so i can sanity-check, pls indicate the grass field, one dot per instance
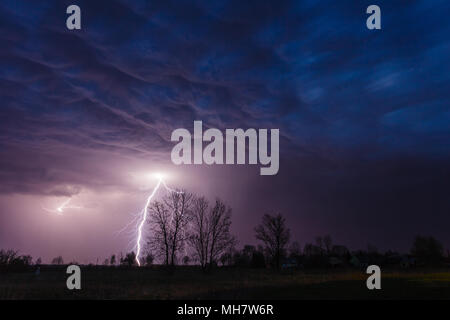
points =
(190, 283)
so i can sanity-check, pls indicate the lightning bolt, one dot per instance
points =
(143, 215)
(60, 210)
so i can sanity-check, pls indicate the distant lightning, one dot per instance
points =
(60, 209)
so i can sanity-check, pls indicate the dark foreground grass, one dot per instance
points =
(190, 283)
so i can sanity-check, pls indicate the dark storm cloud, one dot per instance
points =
(355, 107)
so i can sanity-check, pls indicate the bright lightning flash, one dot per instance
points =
(144, 212)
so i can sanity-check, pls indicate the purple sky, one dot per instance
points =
(363, 115)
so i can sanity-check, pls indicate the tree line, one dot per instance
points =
(184, 228)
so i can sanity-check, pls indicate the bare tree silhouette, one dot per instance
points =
(199, 239)
(275, 235)
(168, 222)
(58, 260)
(211, 235)
(129, 260)
(112, 260)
